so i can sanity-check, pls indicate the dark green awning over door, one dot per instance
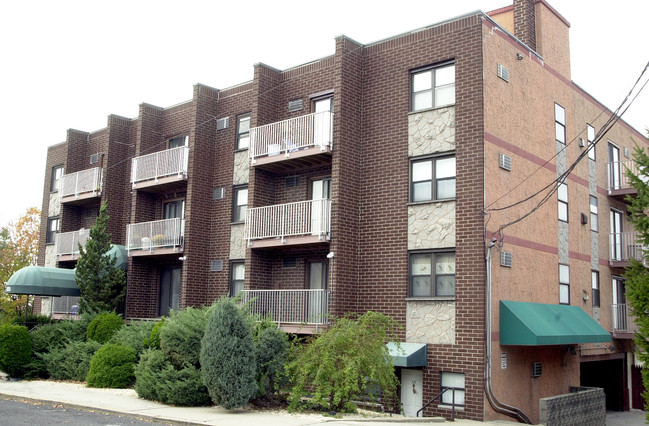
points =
(536, 324)
(408, 354)
(39, 281)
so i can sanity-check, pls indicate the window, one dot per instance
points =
(594, 278)
(454, 382)
(177, 142)
(57, 173)
(243, 131)
(432, 274)
(433, 87)
(240, 203)
(591, 142)
(563, 202)
(52, 229)
(560, 123)
(564, 284)
(593, 214)
(432, 179)
(237, 276)
(615, 239)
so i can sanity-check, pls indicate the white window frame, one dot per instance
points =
(432, 273)
(455, 381)
(243, 136)
(432, 179)
(564, 284)
(55, 179)
(239, 207)
(237, 283)
(428, 84)
(53, 227)
(562, 201)
(559, 123)
(594, 280)
(594, 214)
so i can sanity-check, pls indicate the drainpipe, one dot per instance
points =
(495, 403)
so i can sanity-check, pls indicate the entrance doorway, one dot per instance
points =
(169, 290)
(411, 391)
(318, 278)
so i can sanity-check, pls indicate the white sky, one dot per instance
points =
(69, 64)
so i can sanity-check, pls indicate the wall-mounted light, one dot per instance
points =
(519, 56)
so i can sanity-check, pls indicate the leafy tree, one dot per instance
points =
(18, 248)
(101, 282)
(338, 366)
(227, 356)
(637, 275)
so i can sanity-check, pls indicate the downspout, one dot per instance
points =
(493, 401)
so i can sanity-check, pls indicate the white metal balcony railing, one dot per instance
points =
(67, 243)
(291, 135)
(155, 234)
(87, 181)
(68, 305)
(617, 174)
(289, 306)
(160, 164)
(624, 246)
(311, 217)
(622, 318)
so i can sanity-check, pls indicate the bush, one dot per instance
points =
(181, 334)
(102, 328)
(71, 362)
(112, 366)
(154, 338)
(32, 320)
(157, 379)
(15, 349)
(136, 335)
(338, 365)
(271, 347)
(227, 356)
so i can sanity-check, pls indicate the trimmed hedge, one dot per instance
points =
(102, 328)
(112, 366)
(15, 349)
(71, 362)
(157, 379)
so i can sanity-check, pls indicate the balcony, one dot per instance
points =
(304, 141)
(67, 244)
(79, 187)
(155, 238)
(302, 222)
(295, 311)
(623, 324)
(160, 169)
(619, 184)
(624, 246)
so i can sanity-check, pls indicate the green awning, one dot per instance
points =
(39, 281)
(121, 254)
(407, 354)
(536, 324)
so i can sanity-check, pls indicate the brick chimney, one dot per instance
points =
(525, 22)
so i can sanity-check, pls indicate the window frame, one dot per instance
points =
(562, 202)
(559, 123)
(433, 86)
(591, 141)
(234, 281)
(239, 210)
(447, 397)
(174, 140)
(564, 282)
(50, 233)
(55, 177)
(595, 286)
(242, 135)
(434, 190)
(594, 213)
(434, 254)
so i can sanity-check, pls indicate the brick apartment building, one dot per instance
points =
(371, 180)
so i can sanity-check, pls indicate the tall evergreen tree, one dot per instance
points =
(637, 275)
(101, 282)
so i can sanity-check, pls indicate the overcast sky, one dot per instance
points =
(69, 64)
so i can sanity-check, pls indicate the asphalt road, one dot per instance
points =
(22, 412)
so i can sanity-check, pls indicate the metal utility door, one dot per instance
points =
(411, 391)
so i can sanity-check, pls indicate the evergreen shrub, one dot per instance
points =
(112, 366)
(135, 334)
(71, 362)
(102, 328)
(181, 334)
(15, 349)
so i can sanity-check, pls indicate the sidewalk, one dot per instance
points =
(126, 402)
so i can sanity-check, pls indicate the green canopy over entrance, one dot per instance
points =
(407, 354)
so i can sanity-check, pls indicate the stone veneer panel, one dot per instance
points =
(50, 256)
(238, 242)
(431, 131)
(430, 321)
(431, 225)
(54, 208)
(241, 168)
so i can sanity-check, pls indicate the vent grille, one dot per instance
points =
(505, 162)
(216, 265)
(503, 72)
(506, 259)
(291, 182)
(94, 158)
(289, 262)
(537, 369)
(218, 193)
(222, 123)
(295, 105)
